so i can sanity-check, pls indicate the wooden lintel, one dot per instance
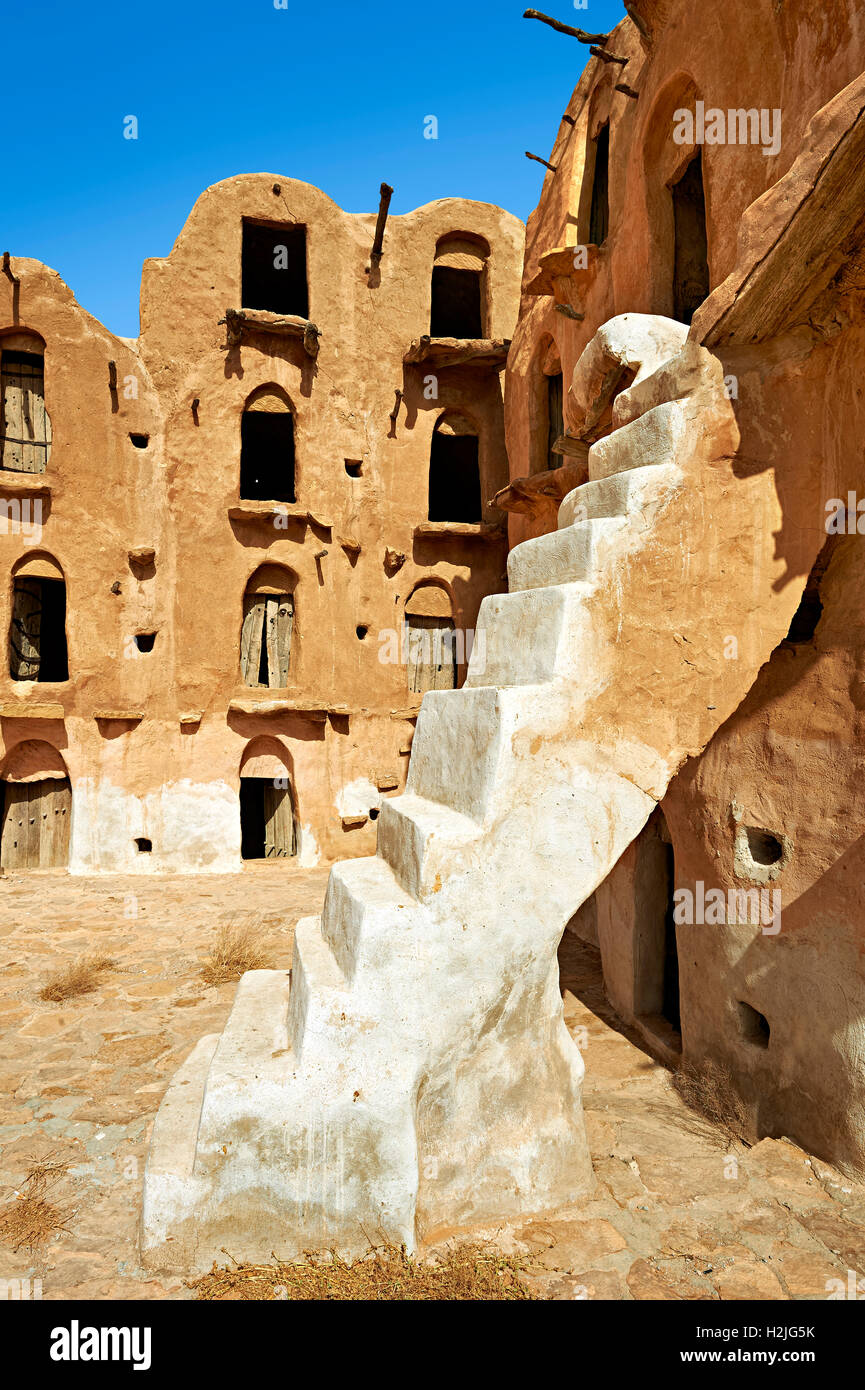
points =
(627, 91)
(455, 352)
(240, 321)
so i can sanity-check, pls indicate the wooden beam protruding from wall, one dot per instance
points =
(568, 29)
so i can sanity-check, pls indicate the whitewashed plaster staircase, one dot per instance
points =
(415, 1072)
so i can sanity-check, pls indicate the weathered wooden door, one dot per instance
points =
(36, 819)
(25, 429)
(432, 657)
(279, 837)
(265, 643)
(26, 631)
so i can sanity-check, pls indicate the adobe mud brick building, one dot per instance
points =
(207, 533)
(670, 704)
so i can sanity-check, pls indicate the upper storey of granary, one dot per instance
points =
(275, 264)
(684, 117)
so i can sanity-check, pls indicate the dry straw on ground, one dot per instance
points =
(469, 1272)
(31, 1219)
(236, 950)
(708, 1089)
(81, 977)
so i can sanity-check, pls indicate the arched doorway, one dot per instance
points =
(431, 647)
(37, 808)
(267, 804)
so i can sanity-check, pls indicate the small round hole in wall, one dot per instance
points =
(140, 441)
(354, 467)
(373, 813)
(754, 1025)
(361, 631)
(144, 641)
(765, 848)
(143, 846)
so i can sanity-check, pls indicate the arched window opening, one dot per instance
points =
(454, 471)
(267, 447)
(273, 272)
(431, 641)
(691, 255)
(268, 623)
(25, 428)
(459, 287)
(37, 633)
(37, 808)
(267, 807)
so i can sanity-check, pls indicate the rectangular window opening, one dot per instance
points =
(273, 271)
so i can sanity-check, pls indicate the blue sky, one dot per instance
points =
(330, 91)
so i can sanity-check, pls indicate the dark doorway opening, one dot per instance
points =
(556, 416)
(454, 478)
(267, 456)
(266, 819)
(599, 215)
(656, 957)
(456, 303)
(37, 637)
(274, 268)
(691, 255)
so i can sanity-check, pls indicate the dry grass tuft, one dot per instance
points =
(470, 1272)
(31, 1218)
(236, 950)
(81, 977)
(708, 1089)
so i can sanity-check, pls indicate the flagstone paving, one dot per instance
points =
(679, 1212)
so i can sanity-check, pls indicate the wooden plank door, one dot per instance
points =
(432, 663)
(279, 838)
(278, 623)
(26, 429)
(25, 633)
(53, 812)
(252, 635)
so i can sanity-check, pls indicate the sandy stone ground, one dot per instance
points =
(679, 1211)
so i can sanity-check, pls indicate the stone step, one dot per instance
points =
(175, 1129)
(365, 904)
(605, 497)
(419, 840)
(653, 438)
(573, 555)
(257, 1027)
(319, 988)
(521, 638)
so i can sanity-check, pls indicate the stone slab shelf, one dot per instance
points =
(457, 352)
(118, 716)
(240, 323)
(261, 511)
(472, 530)
(14, 709)
(250, 705)
(542, 492)
(557, 275)
(13, 481)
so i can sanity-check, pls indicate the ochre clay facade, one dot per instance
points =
(667, 713)
(772, 803)
(144, 518)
